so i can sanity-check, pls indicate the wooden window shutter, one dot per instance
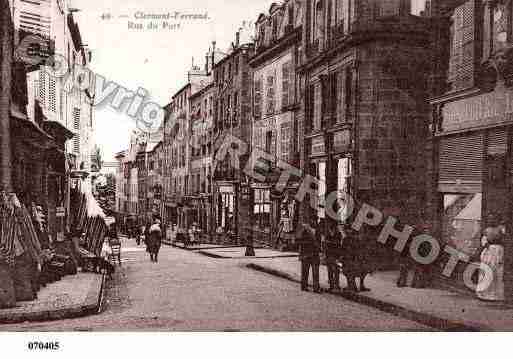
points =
(497, 142)
(310, 97)
(317, 106)
(285, 84)
(42, 87)
(341, 104)
(463, 46)
(333, 94)
(348, 93)
(258, 97)
(52, 96)
(461, 163)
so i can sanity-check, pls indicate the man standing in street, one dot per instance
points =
(309, 248)
(331, 246)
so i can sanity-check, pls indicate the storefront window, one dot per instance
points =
(321, 213)
(227, 215)
(343, 182)
(462, 221)
(418, 7)
(262, 208)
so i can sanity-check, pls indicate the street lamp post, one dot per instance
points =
(248, 194)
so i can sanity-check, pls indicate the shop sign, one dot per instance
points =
(318, 146)
(60, 212)
(268, 122)
(226, 189)
(486, 109)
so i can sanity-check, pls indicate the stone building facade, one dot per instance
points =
(177, 146)
(364, 72)
(471, 130)
(154, 179)
(274, 128)
(232, 117)
(202, 120)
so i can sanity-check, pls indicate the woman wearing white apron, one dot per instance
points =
(491, 287)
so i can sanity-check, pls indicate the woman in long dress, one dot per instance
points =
(154, 241)
(490, 286)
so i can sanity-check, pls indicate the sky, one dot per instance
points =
(156, 60)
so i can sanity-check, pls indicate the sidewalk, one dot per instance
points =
(72, 296)
(437, 308)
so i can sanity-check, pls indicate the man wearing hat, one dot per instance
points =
(309, 249)
(421, 272)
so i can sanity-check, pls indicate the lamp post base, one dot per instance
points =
(250, 251)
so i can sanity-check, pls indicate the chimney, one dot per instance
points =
(206, 63)
(213, 53)
(237, 38)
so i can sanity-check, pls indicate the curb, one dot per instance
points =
(397, 310)
(219, 256)
(68, 312)
(199, 249)
(101, 297)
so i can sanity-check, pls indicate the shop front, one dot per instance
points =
(226, 208)
(474, 144)
(264, 215)
(331, 163)
(170, 210)
(204, 214)
(226, 212)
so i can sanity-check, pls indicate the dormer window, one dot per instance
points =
(500, 26)
(318, 23)
(497, 27)
(262, 35)
(275, 28)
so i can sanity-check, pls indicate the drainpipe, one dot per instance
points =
(5, 107)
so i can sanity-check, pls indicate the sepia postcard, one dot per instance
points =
(255, 166)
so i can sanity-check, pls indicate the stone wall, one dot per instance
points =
(392, 125)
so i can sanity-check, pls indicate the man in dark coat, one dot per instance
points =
(332, 246)
(349, 257)
(309, 248)
(421, 272)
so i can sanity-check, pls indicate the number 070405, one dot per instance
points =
(43, 345)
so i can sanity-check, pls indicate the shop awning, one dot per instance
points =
(58, 128)
(22, 120)
(472, 210)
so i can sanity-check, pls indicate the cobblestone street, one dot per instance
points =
(187, 291)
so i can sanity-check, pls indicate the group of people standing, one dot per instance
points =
(342, 249)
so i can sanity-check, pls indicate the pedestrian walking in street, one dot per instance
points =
(309, 248)
(154, 240)
(331, 247)
(140, 234)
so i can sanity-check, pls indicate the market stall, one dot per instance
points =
(88, 218)
(21, 256)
